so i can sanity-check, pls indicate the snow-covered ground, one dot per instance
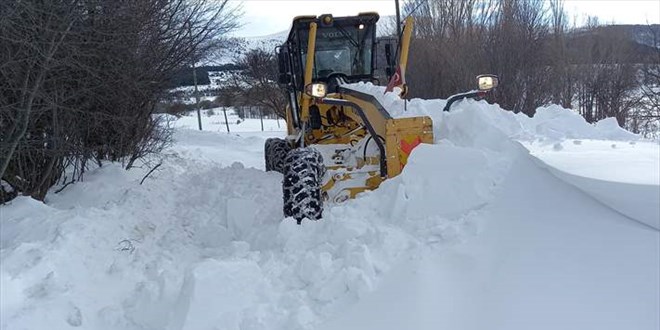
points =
(624, 175)
(478, 232)
(213, 120)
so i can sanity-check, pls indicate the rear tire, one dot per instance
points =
(275, 151)
(303, 175)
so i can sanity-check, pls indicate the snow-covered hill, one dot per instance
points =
(480, 231)
(240, 46)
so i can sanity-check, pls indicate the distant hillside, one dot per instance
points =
(241, 46)
(648, 35)
(644, 40)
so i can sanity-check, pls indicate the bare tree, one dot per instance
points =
(646, 119)
(258, 81)
(459, 39)
(28, 58)
(562, 76)
(448, 48)
(607, 75)
(80, 80)
(537, 57)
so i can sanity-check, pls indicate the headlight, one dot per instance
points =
(487, 82)
(317, 90)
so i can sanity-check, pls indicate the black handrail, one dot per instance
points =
(370, 128)
(457, 97)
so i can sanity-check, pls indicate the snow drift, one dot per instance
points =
(472, 235)
(613, 165)
(624, 176)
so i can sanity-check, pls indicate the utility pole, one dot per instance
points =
(199, 113)
(227, 100)
(398, 21)
(224, 110)
(261, 117)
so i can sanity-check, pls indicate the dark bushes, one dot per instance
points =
(80, 80)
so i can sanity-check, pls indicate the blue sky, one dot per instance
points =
(263, 17)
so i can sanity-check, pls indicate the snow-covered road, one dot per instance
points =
(474, 234)
(623, 175)
(559, 260)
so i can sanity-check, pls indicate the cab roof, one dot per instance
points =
(302, 22)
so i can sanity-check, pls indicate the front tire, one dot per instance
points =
(275, 150)
(301, 187)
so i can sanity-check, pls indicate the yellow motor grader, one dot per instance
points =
(341, 141)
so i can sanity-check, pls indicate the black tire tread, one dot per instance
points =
(301, 187)
(275, 151)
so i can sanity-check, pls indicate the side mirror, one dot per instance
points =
(487, 82)
(316, 90)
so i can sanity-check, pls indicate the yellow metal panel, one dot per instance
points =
(374, 181)
(405, 44)
(309, 65)
(403, 135)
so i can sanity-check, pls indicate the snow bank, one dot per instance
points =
(634, 162)
(471, 227)
(546, 257)
(640, 202)
(201, 244)
(623, 176)
(122, 262)
(621, 162)
(549, 123)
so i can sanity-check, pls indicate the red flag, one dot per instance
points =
(396, 80)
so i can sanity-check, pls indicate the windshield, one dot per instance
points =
(345, 50)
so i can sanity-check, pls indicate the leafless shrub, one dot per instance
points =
(80, 80)
(594, 69)
(257, 85)
(646, 119)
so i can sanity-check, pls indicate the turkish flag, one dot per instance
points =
(396, 80)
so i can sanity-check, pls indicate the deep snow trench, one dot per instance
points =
(474, 234)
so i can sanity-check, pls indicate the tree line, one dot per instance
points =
(540, 56)
(599, 70)
(80, 80)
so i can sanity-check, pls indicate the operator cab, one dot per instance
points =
(344, 49)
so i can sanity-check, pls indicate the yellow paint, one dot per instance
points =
(401, 135)
(405, 44)
(309, 66)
